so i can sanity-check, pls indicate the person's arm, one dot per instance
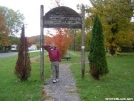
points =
(47, 47)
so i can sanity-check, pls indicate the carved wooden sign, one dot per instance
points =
(62, 17)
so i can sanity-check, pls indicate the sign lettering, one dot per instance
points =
(60, 19)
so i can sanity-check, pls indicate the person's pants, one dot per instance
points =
(55, 70)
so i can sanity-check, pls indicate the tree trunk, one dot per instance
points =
(94, 73)
(112, 50)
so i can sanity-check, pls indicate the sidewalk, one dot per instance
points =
(65, 89)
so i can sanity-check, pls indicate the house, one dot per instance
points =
(32, 47)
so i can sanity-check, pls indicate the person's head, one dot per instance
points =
(53, 45)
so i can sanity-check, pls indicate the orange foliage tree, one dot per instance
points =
(62, 39)
(31, 41)
(49, 38)
(4, 32)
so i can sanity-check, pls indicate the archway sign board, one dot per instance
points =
(61, 17)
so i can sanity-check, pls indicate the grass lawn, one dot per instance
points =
(13, 90)
(118, 83)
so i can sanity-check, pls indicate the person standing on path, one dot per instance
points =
(55, 58)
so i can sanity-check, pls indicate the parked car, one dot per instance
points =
(13, 47)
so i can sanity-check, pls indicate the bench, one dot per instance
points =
(66, 57)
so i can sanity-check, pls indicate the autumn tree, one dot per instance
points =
(62, 38)
(97, 55)
(31, 41)
(13, 19)
(4, 32)
(23, 68)
(115, 16)
(49, 38)
(34, 40)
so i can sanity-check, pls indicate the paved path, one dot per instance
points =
(65, 89)
(2, 55)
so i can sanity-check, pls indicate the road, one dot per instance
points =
(2, 55)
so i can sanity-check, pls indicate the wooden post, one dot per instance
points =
(74, 33)
(41, 43)
(83, 45)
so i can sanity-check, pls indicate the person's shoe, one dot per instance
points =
(57, 80)
(54, 81)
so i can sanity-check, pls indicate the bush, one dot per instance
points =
(23, 68)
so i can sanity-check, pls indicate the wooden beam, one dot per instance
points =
(41, 43)
(83, 44)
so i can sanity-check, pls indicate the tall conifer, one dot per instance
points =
(97, 55)
(23, 68)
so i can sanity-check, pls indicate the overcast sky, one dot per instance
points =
(31, 11)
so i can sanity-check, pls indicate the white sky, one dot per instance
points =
(31, 11)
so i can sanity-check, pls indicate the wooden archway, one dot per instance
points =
(61, 17)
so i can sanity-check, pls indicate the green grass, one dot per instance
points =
(33, 54)
(118, 83)
(13, 90)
